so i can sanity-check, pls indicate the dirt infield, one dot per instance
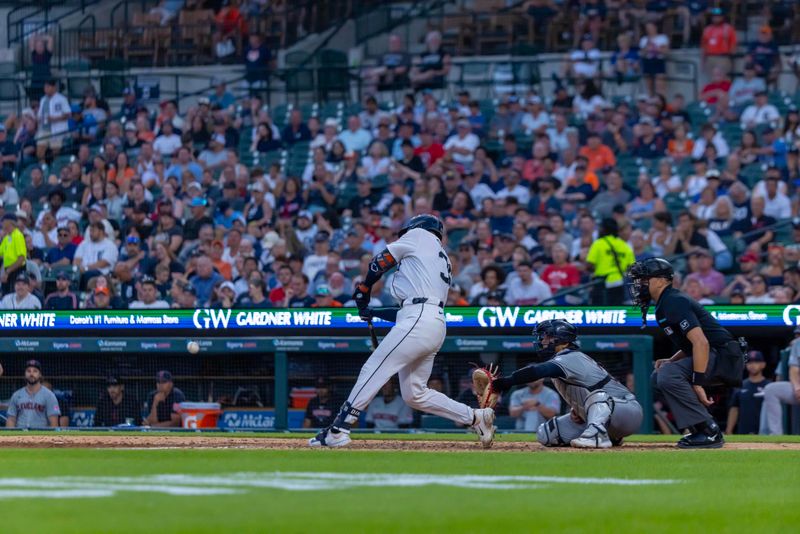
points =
(276, 443)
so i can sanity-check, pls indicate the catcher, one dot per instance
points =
(603, 411)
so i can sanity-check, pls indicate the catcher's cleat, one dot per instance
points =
(484, 426)
(329, 437)
(594, 437)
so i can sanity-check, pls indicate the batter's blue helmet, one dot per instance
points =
(430, 223)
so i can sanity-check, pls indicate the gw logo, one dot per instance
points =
(497, 316)
(791, 315)
(204, 319)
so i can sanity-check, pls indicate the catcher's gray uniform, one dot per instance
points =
(591, 393)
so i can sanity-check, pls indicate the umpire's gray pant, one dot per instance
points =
(625, 419)
(775, 395)
(673, 380)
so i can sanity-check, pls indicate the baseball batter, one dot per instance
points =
(603, 411)
(420, 285)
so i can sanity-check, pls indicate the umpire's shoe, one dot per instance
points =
(330, 437)
(707, 437)
(484, 426)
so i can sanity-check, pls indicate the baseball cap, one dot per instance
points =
(229, 285)
(198, 202)
(112, 381)
(330, 121)
(203, 101)
(322, 237)
(218, 138)
(62, 275)
(748, 257)
(23, 277)
(130, 127)
(163, 376)
(10, 217)
(755, 356)
(258, 186)
(386, 222)
(305, 214)
(34, 363)
(463, 123)
(323, 290)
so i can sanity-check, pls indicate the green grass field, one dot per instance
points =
(238, 490)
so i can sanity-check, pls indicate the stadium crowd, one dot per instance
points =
(540, 193)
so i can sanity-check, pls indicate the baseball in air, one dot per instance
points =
(193, 347)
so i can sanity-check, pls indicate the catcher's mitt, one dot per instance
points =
(482, 378)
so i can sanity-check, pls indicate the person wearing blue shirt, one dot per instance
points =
(204, 279)
(221, 95)
(184, 163)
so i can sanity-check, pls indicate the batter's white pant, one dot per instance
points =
(775, 395)
(408, 350)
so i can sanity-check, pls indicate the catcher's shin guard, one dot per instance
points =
(548, 433)
(598, 406)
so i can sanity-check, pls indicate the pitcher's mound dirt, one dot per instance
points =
(151, 441)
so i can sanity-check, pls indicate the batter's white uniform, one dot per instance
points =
(411, 345)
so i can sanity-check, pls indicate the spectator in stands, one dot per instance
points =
(584, 62)
(764, 55)
(744, 89)
(355, 138)
(163, 403)
(62, 298)
(96, 255)
(533, 405)
(393, 69)
(718, 43)
(204, 279)
(654, 47)
(760, 112)
(8, 157)
(388, 411)
(168, 142)
(613, 195)
(608, 259)
(21, 298)
(526, 289)
(757, 291)
(41, 47)
(167, 10)
(431, 68)
(560, 274)
(297, 295)
(148, 296)
(492, 278)
(701, 265)
(324, 299)
(257, 61)
(625, 60)
(710, 136)
(115, 406)
(53, 121)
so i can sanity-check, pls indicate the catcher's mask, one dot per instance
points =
(639, 275)
(547, 335)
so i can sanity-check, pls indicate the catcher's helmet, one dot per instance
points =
(640, 272)
(558, 331)
(430, 223)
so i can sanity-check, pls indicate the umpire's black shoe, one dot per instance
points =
(708, 438)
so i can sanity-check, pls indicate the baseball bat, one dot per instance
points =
(372, 335)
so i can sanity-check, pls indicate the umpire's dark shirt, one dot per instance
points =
(678, 313)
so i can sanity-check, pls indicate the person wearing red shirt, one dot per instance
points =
(598, 155)
(718, 43)
(715, 93)
(429, 151)
(560, 274)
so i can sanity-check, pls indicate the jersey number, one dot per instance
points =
(446, 277)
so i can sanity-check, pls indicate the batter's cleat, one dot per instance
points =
(594, 437)
(484, 426)
(328, 437)
(710, 438)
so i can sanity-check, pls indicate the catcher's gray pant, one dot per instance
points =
(775, 395)
(408, 350)
(625, 419)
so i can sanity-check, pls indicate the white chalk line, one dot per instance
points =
(241, 482)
